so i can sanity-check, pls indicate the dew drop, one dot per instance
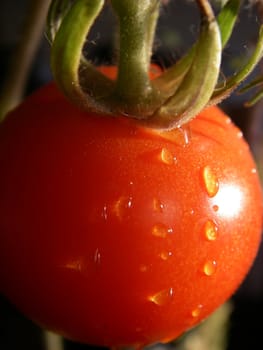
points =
(239, 134)
(210, 267)
(215, 208)
(211, 230)
(161, 230)
(143, 268)
(97, 256)
(163, 297)
(167, 157)
(197, 311)
(228, 120)
(75, 265)
(157, 205)
(180, 136)
(183, 135)
(186, 134)
(121, 205)
(165, 255)
(210, 181)
(104, 213)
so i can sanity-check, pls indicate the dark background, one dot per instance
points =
(178, 27)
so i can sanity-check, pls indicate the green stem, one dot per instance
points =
(137, 21)
(14, 86)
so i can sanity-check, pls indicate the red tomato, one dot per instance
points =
(111, 71)
(113, 234)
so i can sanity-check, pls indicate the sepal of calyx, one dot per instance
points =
(166, 102)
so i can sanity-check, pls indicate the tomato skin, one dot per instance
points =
(112, 234)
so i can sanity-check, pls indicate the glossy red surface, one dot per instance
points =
(113, 234)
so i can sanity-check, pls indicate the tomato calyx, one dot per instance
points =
(166, 102)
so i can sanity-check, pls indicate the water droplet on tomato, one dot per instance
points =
(239, 134)
(75, 265)
(104, 213)
(161, 230)
(180, 136)
(157, 205)
(121, 206)
(197, 311)
(143, 268)
(253, 170)
(183, 135)
(97, 257)
(167, 157)
(163, 297)
(186, 134)
(211, 230)
(210, 267)
(210, 181)
(165, 255)
(215, 207)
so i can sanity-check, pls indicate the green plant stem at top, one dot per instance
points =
(137, 22)
(166, 102)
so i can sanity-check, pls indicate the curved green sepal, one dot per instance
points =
(198, 85)
(57, 11)
(171, 79)
(231, 83)
(257, 96)
(254, 83)
(66, 57)
(227, 19)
